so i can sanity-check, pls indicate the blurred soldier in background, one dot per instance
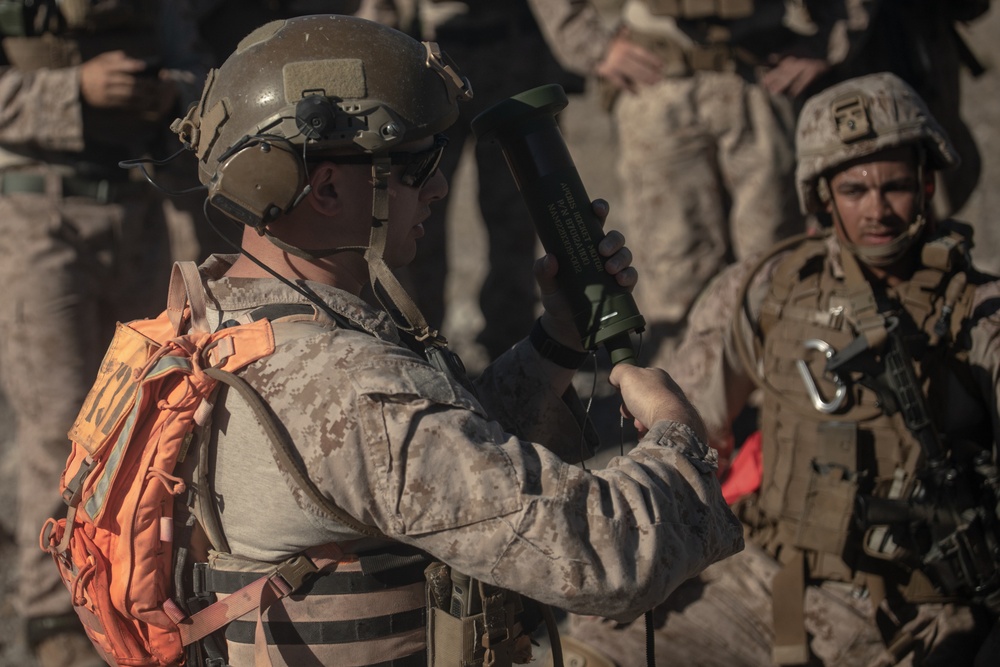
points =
(921, 43)
(503, 51)
(705, 137)
(505, 48)
(221, 25)
(872, 517)
(404, 459)
(82, 86)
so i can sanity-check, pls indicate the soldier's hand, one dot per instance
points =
(650, 395)
(791, 75)
(558, 317)
(626, 65)
(114, 80)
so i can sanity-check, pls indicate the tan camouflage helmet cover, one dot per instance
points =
(313, 84)
(860, 117)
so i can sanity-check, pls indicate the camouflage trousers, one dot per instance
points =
(706, 165)
(70, 268)
(722, 618)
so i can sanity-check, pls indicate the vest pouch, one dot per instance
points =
(829, 502)
(458, 642)
(826, 517)
(476, 626)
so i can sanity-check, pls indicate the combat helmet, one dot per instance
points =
(312, 84)
(858, 118)
(320, 85)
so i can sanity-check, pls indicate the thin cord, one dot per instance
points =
(650, 641)
(586, 414)
(299, 286)
(141, 164)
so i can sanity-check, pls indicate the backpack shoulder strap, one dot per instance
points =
(284, 452)
(186, 298)
(282, 449)
(787, 274)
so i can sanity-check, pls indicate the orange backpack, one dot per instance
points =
(114, 549)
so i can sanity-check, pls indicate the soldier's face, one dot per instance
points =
(876, 200)
(409, 207)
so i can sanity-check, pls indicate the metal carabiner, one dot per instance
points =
(807, 378)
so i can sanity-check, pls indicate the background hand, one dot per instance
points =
(626, 65)
(791, 75)
(114, 80)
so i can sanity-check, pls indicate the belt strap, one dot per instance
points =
(285, 633)
(324, 583)
(103, 191)
(260, 594)
(788, 599)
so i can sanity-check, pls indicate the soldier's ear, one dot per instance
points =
(325, 189)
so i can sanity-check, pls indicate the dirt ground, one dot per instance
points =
(590, 136)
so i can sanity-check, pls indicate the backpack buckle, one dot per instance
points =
(292, 573)
(74, 488)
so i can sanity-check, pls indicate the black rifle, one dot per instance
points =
(949, 525)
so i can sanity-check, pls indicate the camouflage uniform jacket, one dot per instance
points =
(400, 446)
(580, 35)
(42, 113)
(709, 369)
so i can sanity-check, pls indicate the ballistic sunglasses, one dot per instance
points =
(419, 167)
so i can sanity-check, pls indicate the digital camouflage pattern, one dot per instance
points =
(706, 156)
(721, 618)
(858, 118)
(500, 47)
(73, 265)
(706, 170)
(714, 378)
(404, 448)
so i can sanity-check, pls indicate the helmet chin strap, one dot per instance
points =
(384, 283)
(889, 253)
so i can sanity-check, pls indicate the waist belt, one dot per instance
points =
(328, 583)
(684, 60)
(103, 191)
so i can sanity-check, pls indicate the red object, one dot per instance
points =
(744, 474)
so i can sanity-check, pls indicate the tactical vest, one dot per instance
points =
(80, 30)
(826, 439)
(368, 611)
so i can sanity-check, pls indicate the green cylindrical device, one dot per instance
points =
(525, 128)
